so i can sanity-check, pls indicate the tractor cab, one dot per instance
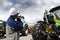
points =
(56, 12)
(49, 18)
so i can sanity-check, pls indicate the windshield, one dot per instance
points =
(57, 14)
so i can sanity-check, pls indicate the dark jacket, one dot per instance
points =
(17, 25)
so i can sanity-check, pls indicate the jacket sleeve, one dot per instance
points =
(12, 24)
(16, 25)
(20, 24)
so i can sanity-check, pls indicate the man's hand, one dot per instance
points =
(18, 18)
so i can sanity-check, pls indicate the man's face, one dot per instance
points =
(16, 16)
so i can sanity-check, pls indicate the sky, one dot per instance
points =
(32, 10)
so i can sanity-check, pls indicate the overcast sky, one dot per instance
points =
(32, 10)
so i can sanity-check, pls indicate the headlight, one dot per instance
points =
(53, 32)
(59, 36)
(49, 30)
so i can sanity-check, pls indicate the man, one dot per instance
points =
(14, 25)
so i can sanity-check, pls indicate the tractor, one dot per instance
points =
(50, 26)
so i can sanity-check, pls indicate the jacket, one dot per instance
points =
(16, 25)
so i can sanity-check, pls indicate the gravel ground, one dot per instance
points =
(29, 37)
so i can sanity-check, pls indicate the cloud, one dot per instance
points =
(3, 15)
(33, 14)
(52, 2)
(24, 4)
(32, 10)
(5, 3)
(55, 1)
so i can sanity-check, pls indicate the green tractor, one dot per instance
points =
(53, 18)
(51, 21)
(56, 12)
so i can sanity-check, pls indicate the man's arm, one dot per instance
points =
(12, 23)
(20, 24)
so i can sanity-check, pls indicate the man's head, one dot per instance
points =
(14, 12)
(15, 16)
